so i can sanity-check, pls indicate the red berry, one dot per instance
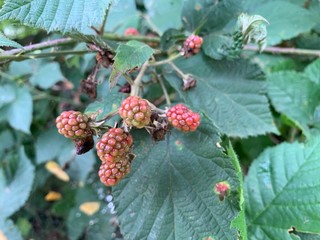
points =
(111, 173)
(222, 189)
(114, 145)
(183, 119)
(131, 32)
(73, 125)
(135, 111)
(192, 45)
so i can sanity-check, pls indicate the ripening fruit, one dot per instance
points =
(182, 118)
(131, 32)
(73, 125)
(135, 111)
(114, 145)
(111, 173)
(192, 45)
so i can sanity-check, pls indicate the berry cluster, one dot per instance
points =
(183, 119)
(192, 45)
(135, 112)
(114, 146)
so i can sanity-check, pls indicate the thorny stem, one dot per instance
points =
(179, 72)
(137, 82)
(278, 50)
(106, 117)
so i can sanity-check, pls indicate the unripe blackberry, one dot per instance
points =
(192, 45)
(73, 125)
(113, 145)
(135, 111)
(111, 173)
(183, 119)
(131, 32)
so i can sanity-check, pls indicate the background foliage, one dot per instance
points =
(260, 119)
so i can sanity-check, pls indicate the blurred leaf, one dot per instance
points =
(89, 208)
(216, 46)
(6, 139)
(312, 71)
(169, 193)
(8, 231)
(79, 222)
(7, 94)
(47, 75)
(63, 15)
(57, 171)
(23, 67)
(170, 37)
(294, 95)
(225, 92)
(282, 189)
(209, 16)
(168, 8)
(81, 166)
(128, 56)
(21, 106)
(15, 193)
(284, 23)
(6, 42)
(50, 145)
(24, 226)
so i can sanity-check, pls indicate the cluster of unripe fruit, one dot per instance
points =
(114, 146)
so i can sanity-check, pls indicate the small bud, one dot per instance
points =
(222, 189)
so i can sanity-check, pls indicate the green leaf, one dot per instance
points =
(170, 38)
(19, 113)
(168, 8)
(81, 166)
(49, 144)
(284, 23)
(128, 56)
(216, 46)
(9, 230)
(209, 16)
(237, 106)
(169, 193)
(294, 95)
(63, 15)
(5, 42)
(282, 190)
(304, 235)
(240, 221)
(15, 193)
(312, 71)
(7, 94)
(47, 75)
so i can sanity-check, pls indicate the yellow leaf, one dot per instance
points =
(56, 170)
(2, 236)
(53, 196)
(89, 208)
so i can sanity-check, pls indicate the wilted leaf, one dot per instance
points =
(89, 208)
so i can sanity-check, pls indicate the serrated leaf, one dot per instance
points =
(312, 71)
(8, 230)
(284, 23)
(21, 106)
(225, 92)
(6, 42)
(128, 56)
(209, 16)
(63, 15)
(294, 95)
(282, 191)
(47, 75)
(216, 46)
(15, 193)
(169, 193)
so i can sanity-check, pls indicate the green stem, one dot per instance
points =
(112, 36)
(166, 61)
(137, 82)
(278, 50)
(165, 92)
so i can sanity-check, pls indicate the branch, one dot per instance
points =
(278, 50)
(115, 37)
(38, 46)
(137, 82)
